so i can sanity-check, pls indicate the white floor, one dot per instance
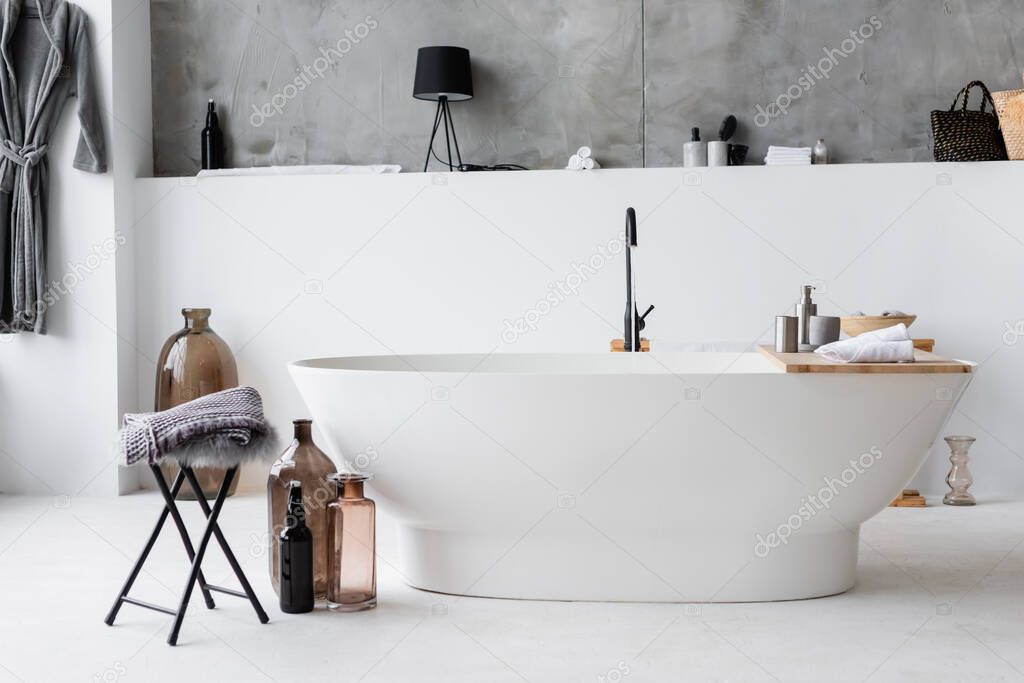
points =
(940, 597)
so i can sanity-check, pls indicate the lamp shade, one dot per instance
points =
(443, 71)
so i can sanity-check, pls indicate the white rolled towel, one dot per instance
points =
(895, 333)
(589, 164)
(584, 152)
(575, 163)
(889, 345)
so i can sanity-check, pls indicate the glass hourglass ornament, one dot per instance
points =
(959, 477)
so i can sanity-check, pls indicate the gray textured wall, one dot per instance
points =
(551, 76)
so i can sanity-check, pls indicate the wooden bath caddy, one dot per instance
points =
(619, 345)
(910, 498)
(924, 362)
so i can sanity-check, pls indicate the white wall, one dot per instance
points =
(56, 390)
(306, 266)
(132, 155)
(60, 392)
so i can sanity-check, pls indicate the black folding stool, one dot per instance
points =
(194, 555)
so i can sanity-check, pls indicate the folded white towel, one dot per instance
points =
(889, 345)
(575, 163)
(584, 152)
(323, 169)
(589, 164)
(788, 156)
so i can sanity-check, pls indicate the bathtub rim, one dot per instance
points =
(615, 364)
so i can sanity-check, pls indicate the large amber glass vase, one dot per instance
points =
(351, 526)
(303, 462)
(194, 362)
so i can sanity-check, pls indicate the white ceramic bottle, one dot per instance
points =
(695, 152)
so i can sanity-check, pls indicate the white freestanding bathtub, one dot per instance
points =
(629, 477)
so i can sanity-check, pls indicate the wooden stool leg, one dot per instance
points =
(182, 531)
(253, 600)
(204, 542)
(109, 621)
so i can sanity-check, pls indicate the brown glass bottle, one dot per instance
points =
(305, 463)
(193, 362)
(351, 527)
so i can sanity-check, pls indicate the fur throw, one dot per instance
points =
(223, 429)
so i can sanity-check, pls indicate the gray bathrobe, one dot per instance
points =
(44, 47)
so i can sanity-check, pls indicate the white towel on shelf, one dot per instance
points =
(776, 149)
(788, 156)
(575, 163)
(584, 152)
(889, 345)
(319, 169)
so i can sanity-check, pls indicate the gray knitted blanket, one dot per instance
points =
(222, 429)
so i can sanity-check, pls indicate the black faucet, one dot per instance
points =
(634, 322)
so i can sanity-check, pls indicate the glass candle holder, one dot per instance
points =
(959, 478)
(352, 558)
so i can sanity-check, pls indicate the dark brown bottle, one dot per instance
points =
(295, 557)
(212, 140)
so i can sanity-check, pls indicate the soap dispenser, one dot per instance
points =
(695, 152)
(805, 308)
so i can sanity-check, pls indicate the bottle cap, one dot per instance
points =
(695, 134)
(349, 477)
(294, 497)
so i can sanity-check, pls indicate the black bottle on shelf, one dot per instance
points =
(295, 557)
(212, 140)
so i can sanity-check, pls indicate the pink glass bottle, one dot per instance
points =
(352, 558)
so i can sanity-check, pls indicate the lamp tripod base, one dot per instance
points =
(443, 115)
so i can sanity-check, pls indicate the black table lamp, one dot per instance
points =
(443, 75)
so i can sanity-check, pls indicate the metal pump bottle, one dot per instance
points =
(805, 308)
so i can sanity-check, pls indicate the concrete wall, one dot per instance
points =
(552, 76)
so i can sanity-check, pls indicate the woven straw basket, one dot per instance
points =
(1010, 108)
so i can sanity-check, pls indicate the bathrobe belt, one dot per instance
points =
(25, 156)
(23, 210)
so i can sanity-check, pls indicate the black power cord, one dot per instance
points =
(497, 167)
(466, 168)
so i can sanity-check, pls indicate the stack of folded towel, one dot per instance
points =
(582, 160)
(788, 156)
(889, 345)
